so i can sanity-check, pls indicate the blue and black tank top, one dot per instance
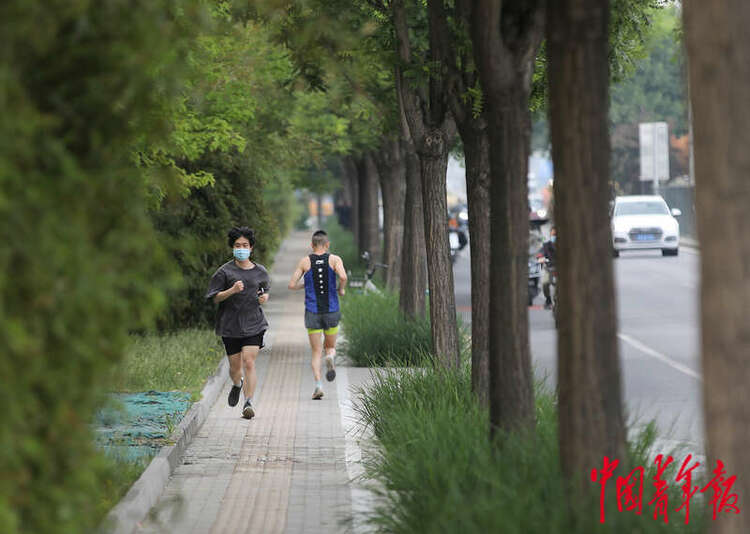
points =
(320, 286)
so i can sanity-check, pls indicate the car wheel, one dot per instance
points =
(615, 253)
(670, 251)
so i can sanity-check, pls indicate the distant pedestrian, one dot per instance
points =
(548, 249)
(239, 287)
(317, 273)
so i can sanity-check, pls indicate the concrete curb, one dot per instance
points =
(143, 495)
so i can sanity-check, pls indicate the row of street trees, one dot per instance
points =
(476, 69)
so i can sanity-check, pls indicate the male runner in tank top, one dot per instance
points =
(317, 274)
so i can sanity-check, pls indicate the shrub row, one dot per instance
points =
(436, 469)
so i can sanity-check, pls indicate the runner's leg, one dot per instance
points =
(317, 351)
(249, 353)
(330, 348)
(235, 367)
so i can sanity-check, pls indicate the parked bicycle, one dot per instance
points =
(364, 284)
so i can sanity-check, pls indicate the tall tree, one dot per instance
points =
(589, 390)
(351, 175)
(432, 130)
(413, 254)
(369, 226)
(718, 47)
(463, 90)
(506, 36)
(389, 159)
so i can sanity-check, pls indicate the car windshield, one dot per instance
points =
(646, 207)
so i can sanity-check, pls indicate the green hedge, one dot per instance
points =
(194, 232)
(437, 471)
(79, 264)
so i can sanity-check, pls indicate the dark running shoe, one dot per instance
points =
(331, 373)
(234, 394)
(248, 412)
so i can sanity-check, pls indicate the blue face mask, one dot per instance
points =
(241, 253)
(552, 238)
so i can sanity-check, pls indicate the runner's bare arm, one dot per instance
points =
(341, 274)
(238, 287)
(296, 282)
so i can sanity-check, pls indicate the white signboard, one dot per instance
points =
(654, 139)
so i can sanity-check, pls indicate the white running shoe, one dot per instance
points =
(318, 393)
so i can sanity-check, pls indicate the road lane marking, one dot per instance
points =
(659, 356)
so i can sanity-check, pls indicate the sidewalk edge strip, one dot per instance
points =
(145, 492)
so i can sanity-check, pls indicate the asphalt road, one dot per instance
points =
(657, 301)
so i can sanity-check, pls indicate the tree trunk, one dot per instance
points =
(506, 64)
(433, 155)
(369, 231)
(477, 156)
(414, 254)
(431, 130)
(344, 197)
(589, 386)
(352, 175)
(392, 172)
(718, 45)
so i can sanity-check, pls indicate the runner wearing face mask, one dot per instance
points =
(239, 287)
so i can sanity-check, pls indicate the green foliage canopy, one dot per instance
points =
(80, 81)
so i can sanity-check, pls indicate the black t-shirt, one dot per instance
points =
(240, 315)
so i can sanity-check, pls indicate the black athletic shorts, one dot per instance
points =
(233, 345)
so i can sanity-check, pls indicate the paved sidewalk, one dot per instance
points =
(285, 470)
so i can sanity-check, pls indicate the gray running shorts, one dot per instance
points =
(322, 321)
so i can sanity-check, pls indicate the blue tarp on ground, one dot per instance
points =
(134, 425)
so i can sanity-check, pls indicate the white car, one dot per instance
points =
(645, 222)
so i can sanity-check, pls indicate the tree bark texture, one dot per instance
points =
(343, 198)
(718, 46)
(369, 224)
(472, 127)
(589, 385)
(392, 171)
(431, 130)
(506, 36)
(352, 176)
(434, 158)
(414, 253)
(477, 156)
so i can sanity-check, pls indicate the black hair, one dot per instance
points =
(319, 238)
(241, 231)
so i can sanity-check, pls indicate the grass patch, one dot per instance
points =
(179, 361)
(377, 333)
(437, 470)
(116, 476)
